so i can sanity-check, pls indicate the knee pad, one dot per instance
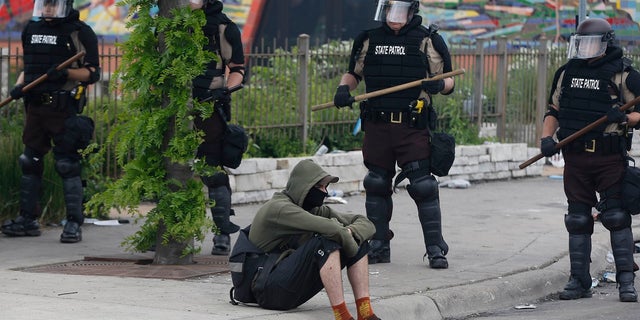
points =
(423, 188)
(615, 219)
(68, 168)
(578, 223)
(31, 163)
(218, 179)
(377, 183)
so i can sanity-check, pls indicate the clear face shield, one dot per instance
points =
(392, 11)
(586, 46)
(50, 9)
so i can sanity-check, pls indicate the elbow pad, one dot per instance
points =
(238, 69)
(94, 76)
(551, 111)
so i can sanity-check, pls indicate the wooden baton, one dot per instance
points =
(43, 77)
(580, 133)
(392, 89)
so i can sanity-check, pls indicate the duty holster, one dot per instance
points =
(422, 115)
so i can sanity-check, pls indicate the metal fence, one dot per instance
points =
(503, 92)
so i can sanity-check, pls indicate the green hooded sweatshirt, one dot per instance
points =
(282, 224)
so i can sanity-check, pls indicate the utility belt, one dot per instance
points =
(386, 116)
(605, 145)
(418, 115)
(59, 100)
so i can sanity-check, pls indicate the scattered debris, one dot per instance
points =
(525, 306)
(455, 184)
(609, 277)
(335, 200)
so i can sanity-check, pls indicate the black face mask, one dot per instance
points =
(315, 198)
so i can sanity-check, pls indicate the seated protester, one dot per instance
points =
(313, 243)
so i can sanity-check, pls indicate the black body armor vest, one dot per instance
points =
(586, 96)
(46, 45)
(393, 60)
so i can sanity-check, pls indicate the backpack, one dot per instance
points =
(244, 261)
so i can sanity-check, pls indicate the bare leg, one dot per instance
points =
(331, 275)
(358, 275)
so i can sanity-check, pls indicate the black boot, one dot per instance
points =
(71, 233)
(575, 289)
(379, 252)
(21, 227)
(437, 260)
(627, 292)
(579, 285)
(221, 245)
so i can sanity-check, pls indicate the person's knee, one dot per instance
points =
(579, 219)
(615, 219)
(68, 168)
(377, 183)
(423, 188)
(31, 163)
(218, 179)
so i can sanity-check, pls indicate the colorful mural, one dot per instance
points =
(460, 21)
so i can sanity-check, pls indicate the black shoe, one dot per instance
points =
(436, 258)
(221, 245)
(627, 292)
(21, 227)
(379, 252)
(71, 233)
(575, 290)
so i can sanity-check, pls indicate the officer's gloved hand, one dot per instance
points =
(548, 146)
(616, 116)
(433, 86)
(55, 75)
(16, 93)
(221, 95)
(343, 98)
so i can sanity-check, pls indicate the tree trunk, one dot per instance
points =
(171, 253)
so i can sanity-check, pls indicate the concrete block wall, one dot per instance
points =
(256, 179)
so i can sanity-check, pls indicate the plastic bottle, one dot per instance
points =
(322, 150)
(335, 193)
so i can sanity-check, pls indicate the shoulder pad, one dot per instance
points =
(626, 63)
(433, 28)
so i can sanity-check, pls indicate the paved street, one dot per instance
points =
(508, 247)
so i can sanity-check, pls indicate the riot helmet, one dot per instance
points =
(396, 11)
(591, 39)
(52, 9)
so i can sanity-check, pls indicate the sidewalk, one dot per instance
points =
(508, 246)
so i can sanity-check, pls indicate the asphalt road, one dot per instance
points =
(603, 305)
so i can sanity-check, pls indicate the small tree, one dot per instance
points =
(155, 137)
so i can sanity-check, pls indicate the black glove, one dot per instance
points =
(548, 146)
(616, 116)
(433, 86)
(221, 95)
(57, 75)
(16, 93)
(343, 98)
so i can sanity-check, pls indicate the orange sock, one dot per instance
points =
(340, 312)
(363, 306)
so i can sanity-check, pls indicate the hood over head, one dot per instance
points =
(303, 177)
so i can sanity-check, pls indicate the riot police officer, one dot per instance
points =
(593, 83)
(401, 50)
(52, 110)
(225, 41)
